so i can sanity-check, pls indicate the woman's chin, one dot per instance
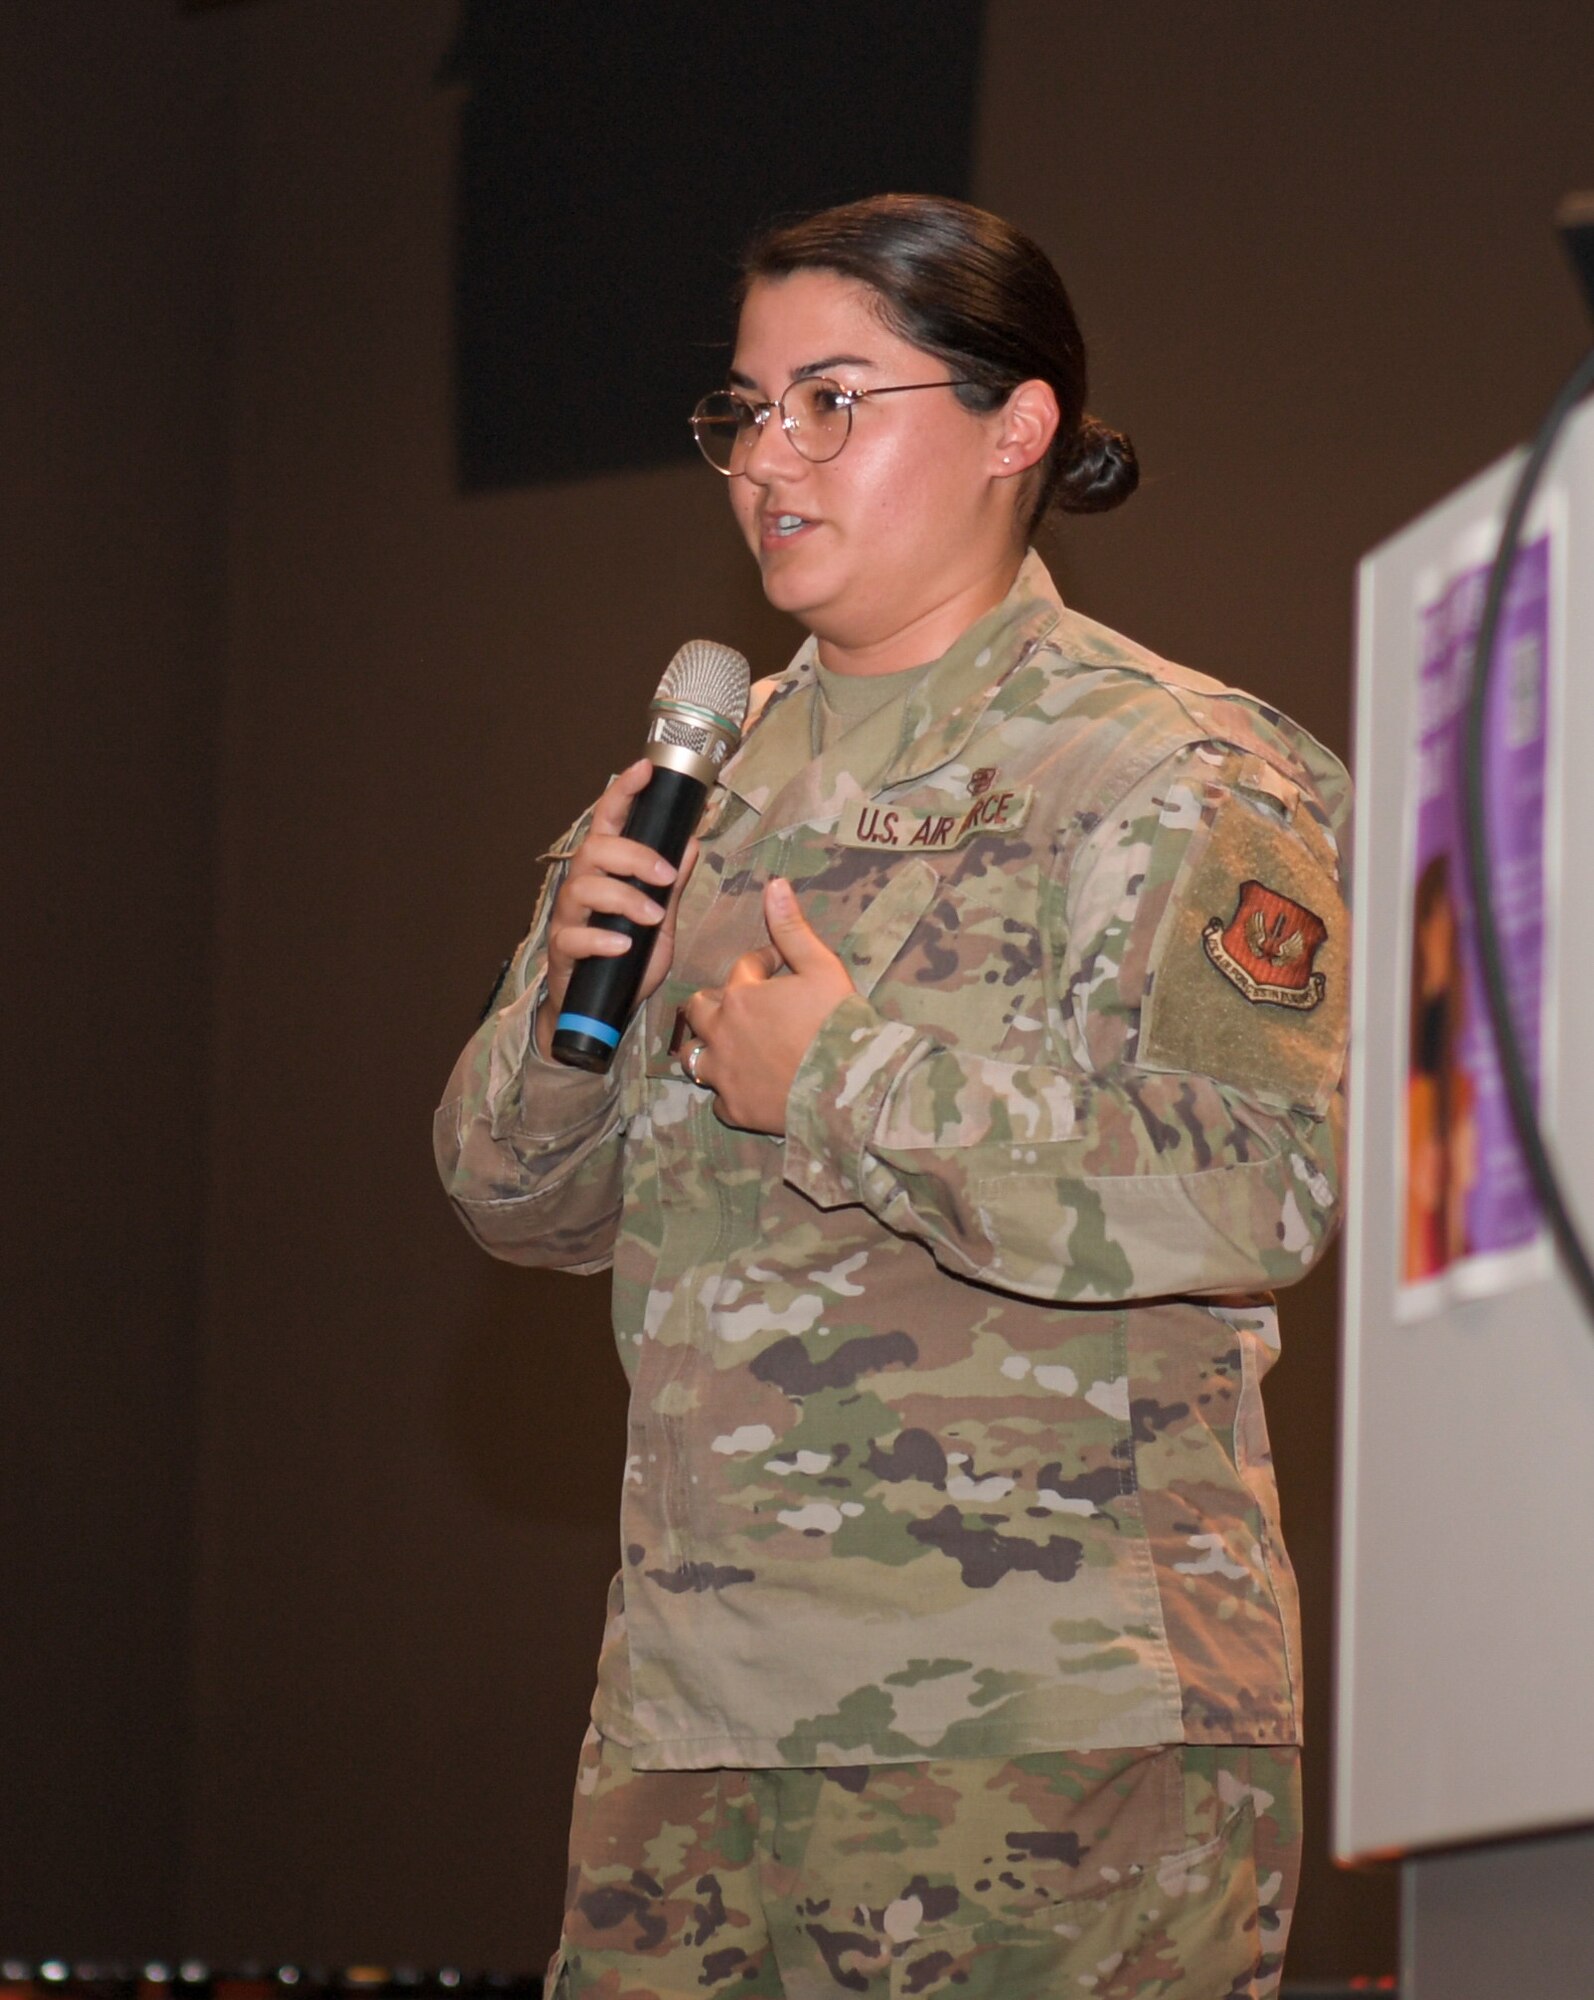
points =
(791, 585)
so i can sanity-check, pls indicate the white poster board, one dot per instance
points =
(1465, 1684)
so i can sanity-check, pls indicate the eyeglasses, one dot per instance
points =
(815, 413)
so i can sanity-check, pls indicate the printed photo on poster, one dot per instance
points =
(1472, 1225)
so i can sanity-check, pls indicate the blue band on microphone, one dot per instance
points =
(583, 1024)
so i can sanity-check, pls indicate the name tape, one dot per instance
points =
(905, 830)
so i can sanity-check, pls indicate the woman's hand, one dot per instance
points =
(757, 1027)
(595, 885)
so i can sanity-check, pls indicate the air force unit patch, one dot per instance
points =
(1267, 947)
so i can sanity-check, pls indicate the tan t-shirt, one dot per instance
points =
(848, 699)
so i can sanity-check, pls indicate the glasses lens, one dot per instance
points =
(723, 426)
(818, 417)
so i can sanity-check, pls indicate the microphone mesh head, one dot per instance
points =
(707, 675)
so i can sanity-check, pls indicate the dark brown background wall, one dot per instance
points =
(113, 383)
(308, 1505)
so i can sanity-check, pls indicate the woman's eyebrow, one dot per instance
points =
(832, 361)
(738, 380)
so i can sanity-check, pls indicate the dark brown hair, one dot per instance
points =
(982, 297)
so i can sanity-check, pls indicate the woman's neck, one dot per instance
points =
(928, 633)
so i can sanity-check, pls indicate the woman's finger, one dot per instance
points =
(701, 1011)
(577, 941)
(611, 854)
(754, 967)
(588, 894)
(609, 814)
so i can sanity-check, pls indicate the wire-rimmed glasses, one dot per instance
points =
(815, 413)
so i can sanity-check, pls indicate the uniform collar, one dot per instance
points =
(776, 773)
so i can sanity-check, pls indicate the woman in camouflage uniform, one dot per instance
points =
(954, 1647)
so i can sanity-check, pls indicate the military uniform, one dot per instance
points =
(945, 1434)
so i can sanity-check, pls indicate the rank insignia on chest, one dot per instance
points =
(910, 829)
(1267, 947)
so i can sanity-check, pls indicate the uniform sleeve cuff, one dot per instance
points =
(551, 1098)
(834, 1105)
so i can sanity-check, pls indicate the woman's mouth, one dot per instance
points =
(778, 529)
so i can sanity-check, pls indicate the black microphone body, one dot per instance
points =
(602, 991)
(694, 725)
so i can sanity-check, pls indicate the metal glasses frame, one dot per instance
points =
(847, 399)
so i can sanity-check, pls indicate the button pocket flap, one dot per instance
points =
(885, 926)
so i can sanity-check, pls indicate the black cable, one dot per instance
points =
(1519, 1091)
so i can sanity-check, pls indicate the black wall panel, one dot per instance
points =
(614, 159)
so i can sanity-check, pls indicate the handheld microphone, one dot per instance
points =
(694, 724)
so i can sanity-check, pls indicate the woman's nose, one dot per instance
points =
(771, 450)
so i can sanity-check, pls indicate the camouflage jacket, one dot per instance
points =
(945, 1431)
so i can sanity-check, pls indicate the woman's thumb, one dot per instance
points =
(789, 930)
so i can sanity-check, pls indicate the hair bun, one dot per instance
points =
(1100, 472)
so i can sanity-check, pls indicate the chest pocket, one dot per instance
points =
(866, 939)
(886, 924)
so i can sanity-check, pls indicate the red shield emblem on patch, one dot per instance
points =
(1267, 947)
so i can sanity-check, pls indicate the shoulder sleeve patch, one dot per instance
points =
(1267, 948)
(1248, 979)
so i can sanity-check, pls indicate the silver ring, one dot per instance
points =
(690, 1061)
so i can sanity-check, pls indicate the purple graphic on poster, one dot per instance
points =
(1467, 1191)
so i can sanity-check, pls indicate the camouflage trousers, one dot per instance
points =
(1110, 1875)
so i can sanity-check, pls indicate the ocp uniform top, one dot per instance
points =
(945, 1433)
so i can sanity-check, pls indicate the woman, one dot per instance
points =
(954, 1645)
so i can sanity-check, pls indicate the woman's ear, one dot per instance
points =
(1029, 423)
